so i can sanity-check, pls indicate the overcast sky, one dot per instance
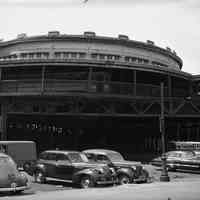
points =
(172, 23)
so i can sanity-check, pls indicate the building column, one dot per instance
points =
(170, 93)
(3, 120)
(89, 79)
(43, 79)
(134, 83)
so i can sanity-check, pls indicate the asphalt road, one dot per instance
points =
(181, 186)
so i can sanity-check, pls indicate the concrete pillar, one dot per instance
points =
(3, 119)
(170, 93)
(135, 83)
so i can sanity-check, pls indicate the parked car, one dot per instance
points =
(127, 171)
(179, 160)
(72, 166)
(11, 180)
(22, 152)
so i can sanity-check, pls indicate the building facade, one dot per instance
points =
(82, 91)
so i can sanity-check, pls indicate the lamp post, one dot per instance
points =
(164, 175)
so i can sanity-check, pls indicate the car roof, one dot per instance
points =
(60, 151)
(3, 154)
(180, 151)
(15, 142)
(99, 151)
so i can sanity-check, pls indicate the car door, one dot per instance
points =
(64, 167)
(188, 162)
(49, 161)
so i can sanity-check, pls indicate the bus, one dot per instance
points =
(184, 146)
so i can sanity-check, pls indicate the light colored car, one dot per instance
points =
(179, 160)
(127, 171)
(11, 180)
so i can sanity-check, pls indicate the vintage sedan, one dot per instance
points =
(179, 160)
(72, 166)
(127, 171)
(11, 180)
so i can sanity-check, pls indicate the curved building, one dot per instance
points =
(81, 91)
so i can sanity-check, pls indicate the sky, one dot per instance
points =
(169, 23)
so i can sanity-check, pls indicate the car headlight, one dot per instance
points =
(99, 170)
(133, 167)
(112, 170)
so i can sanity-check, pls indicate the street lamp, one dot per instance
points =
(164, 175)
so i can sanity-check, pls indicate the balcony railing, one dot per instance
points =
(85, 86)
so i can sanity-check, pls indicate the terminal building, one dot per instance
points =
(87, 91)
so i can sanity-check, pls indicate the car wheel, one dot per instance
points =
(39, 177)
(86, 182)
(123, 179)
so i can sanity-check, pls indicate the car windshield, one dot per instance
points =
(77, 157)
(115, 156)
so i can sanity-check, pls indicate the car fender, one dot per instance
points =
(77, 175)
(40, 167)
(127, 171)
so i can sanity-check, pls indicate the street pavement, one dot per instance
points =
(182, 186)
(177, 190)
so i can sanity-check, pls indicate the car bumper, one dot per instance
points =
(112, 180)
(106, 182)
(15, 188)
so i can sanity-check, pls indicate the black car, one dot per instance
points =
(179, 160)
(72, 166)
(127, 171)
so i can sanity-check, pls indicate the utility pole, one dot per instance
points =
(164, 175)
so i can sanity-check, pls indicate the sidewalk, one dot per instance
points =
(175, 190)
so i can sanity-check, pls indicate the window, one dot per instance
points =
(73, 55)
(117, 57)
(57, 55)
(51, 156)
(62, 157)
(101, 56)
(43, 156)
(31, 55)
(94, 56)
(81, 55)
(90, 156)
(102, 158)
(109, 57)
(38, 55)
(127, 59)
(65, 55)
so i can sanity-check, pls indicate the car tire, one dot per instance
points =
(123, 179)
(39, 177)
(86, 181)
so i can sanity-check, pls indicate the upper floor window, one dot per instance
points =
(159, 64)
(73, 55)
(94, 56)
(101, 56)
(82, 55)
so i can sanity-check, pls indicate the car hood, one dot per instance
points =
(10, 174)
(7, 169)
(126, 163)
(89, 165)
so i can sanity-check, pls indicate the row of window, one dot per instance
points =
(80, 55)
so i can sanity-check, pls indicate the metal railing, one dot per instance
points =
(98, 87)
